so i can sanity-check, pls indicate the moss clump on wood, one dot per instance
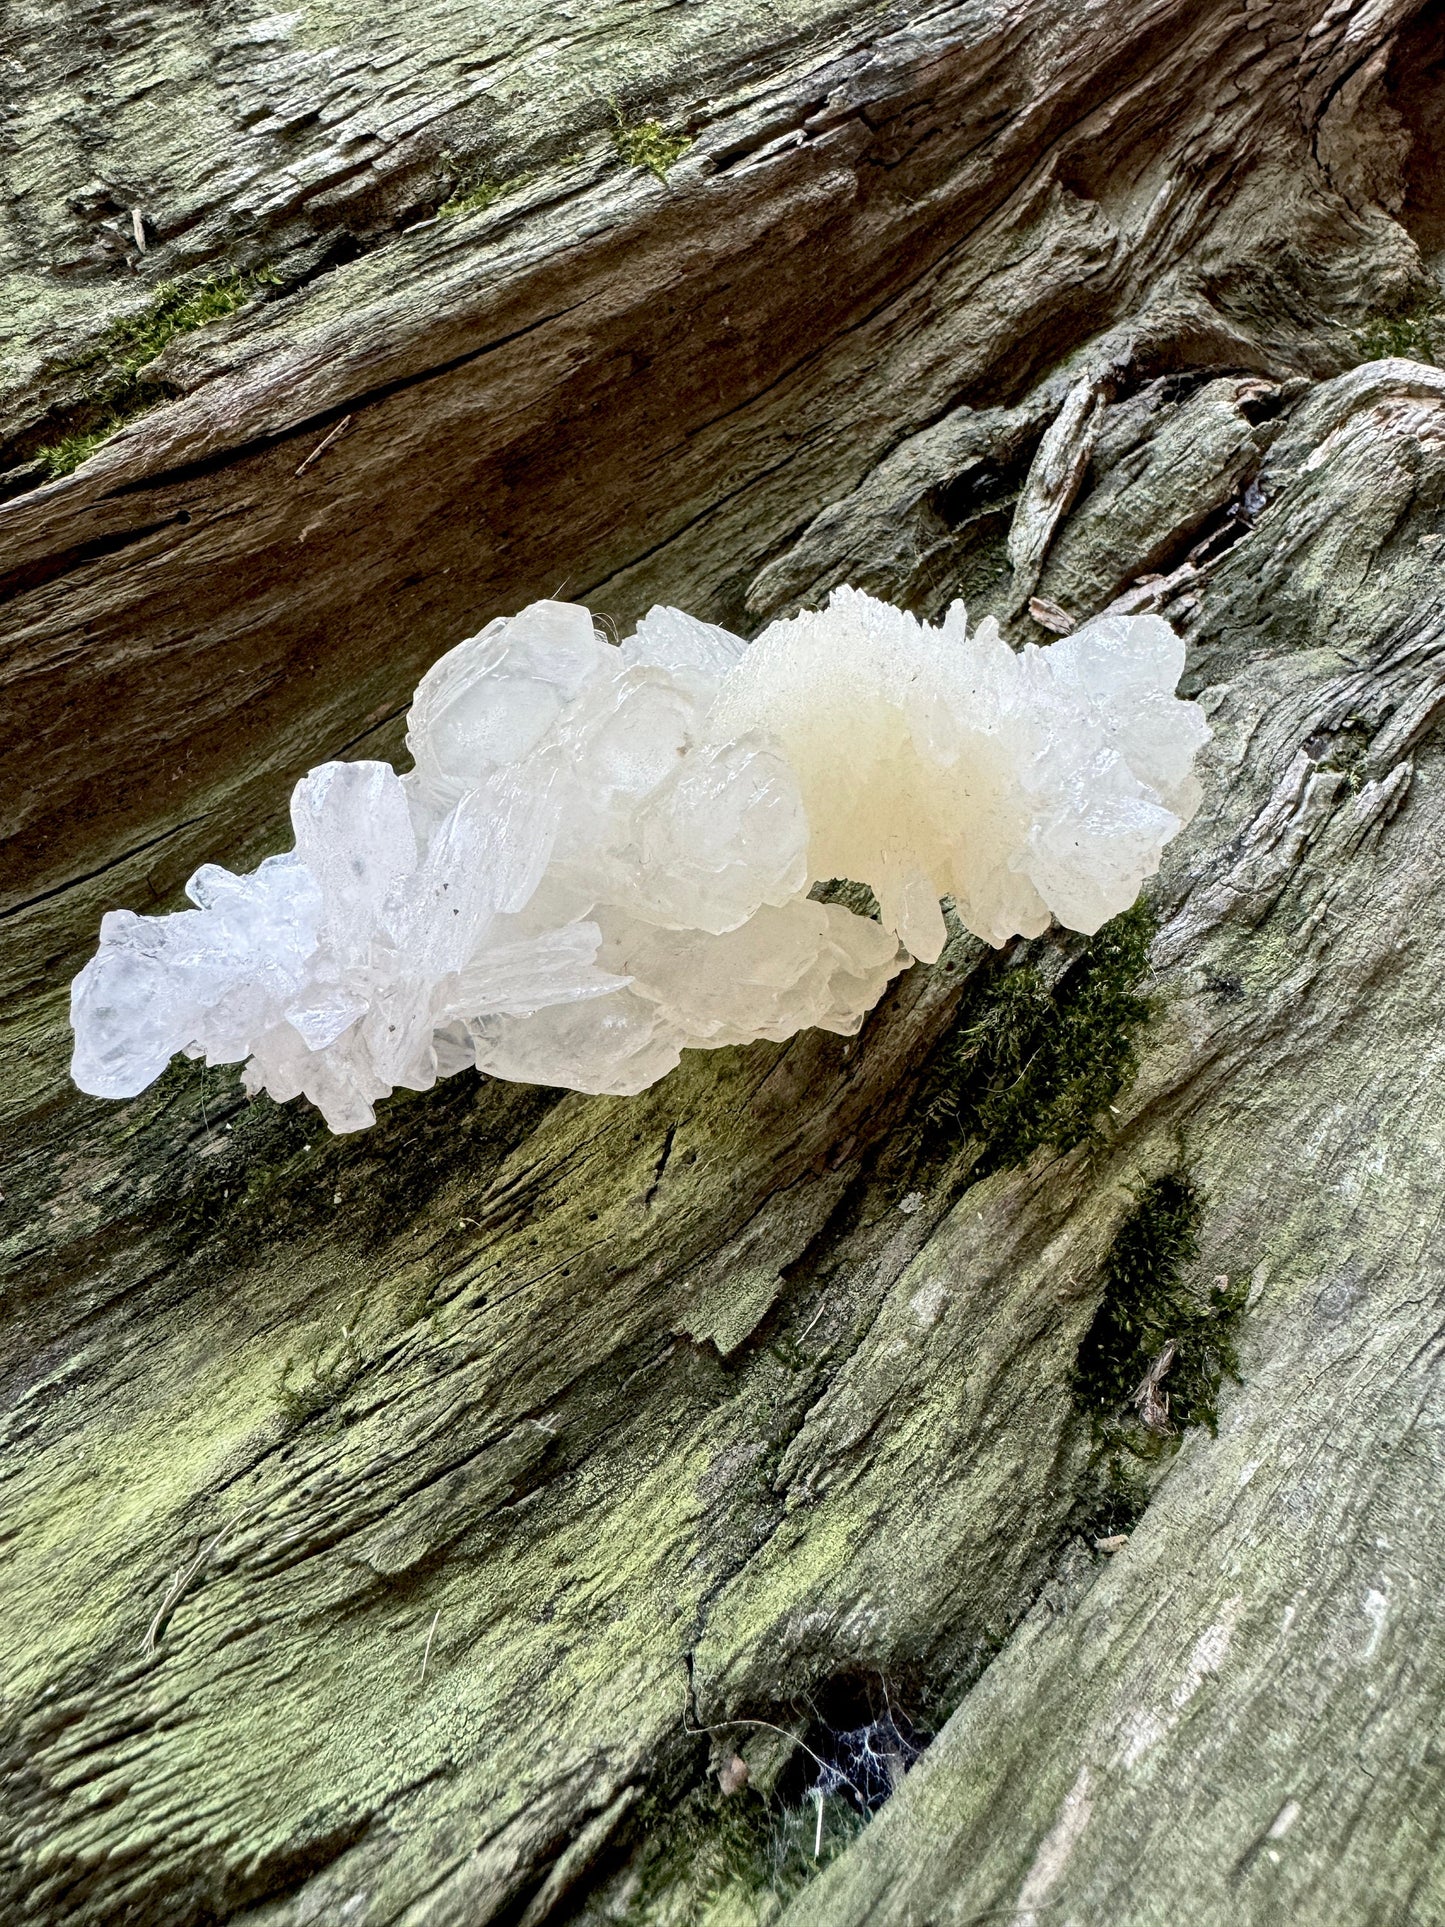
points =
(117, 388)
(60, 457)
(317, 1381)
(67, 452)
(1114, 1497)
(474, 194)
(1415, 333)
(1025, 1066)
(176, 310)
(1158, 1350)
(648, 144)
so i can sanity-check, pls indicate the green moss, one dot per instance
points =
(59, 458)
(1025, 1066)
(67, 453)
(115, 386)
(1115, 1494)
(1144, 1302)
(475, 194)
(648, 144)
(177, 310)
(1416, 333)
(1147, 1305)
(317, 1381)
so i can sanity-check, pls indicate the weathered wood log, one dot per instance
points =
(422, 1527)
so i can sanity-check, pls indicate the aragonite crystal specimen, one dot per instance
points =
(603, 854)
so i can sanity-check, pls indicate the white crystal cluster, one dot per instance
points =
(937, 763)
(603, 854)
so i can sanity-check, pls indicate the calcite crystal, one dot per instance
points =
(603, 854)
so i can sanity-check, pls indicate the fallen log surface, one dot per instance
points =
(518, 1511)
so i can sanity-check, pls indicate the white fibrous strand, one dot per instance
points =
(603, 854)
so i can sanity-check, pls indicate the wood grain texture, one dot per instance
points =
(380, 1516)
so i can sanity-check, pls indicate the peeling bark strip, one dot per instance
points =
(1053, 482)
(528, 1410)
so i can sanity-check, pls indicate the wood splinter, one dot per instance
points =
(1149, 1402)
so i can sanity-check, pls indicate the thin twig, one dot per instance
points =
(181, 1584)
(322, 446)
(427, 1654)
(817, 1758)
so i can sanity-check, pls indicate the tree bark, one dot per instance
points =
(384, 1516)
